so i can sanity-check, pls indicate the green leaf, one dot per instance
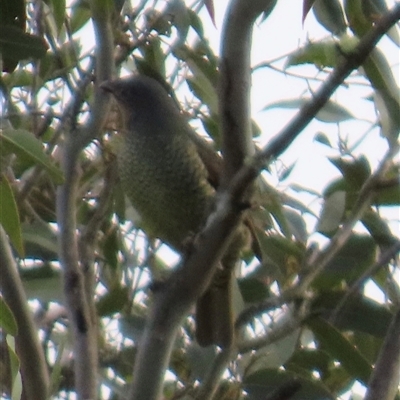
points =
(387, 101)
(332, 213)
(374, 10)
(388, 196)
(357, 21)
(9, 216)
(180, 18)
(378, 228)
(80, 16)
(26, 146)
(341, 349)
(7, 320)
(321, 54)
(12, 14)
(309, 360)
(358, 313)
(355, 171)
(200, 359)
(154, 56)
(16, 390)
(329, 14)
(268, 9)
(132, 326)
(296, 224)
(267, 382)
(40, 242)
(284, 252)
(274, 355)
(331, 112)
(195, 23)
(323, 139)
(355, 256)
(253, 290)
(43, 283)
(58, 8)
(113, 301)
(17, 45)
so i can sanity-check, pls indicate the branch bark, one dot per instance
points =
(384, 382)
(33, 364)
(78, 274)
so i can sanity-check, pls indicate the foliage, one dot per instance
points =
(307, 326)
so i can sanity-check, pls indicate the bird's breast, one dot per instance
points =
(166, 183)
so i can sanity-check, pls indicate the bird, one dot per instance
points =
(163, 172)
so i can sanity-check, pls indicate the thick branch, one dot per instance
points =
(235, 82)
(384, 381)
(78, 281)
(285, 138)
(33, 364)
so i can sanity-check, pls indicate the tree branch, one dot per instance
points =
(33, 365)
(285, 138)
(384, 381)
(78, 277)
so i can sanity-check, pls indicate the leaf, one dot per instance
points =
(40, 242)
(379, 73)
(17, 45)
(253, 290)
(307, 4)
(7, 320)
(16, 379)
(323, 139)
(331, 112)
(332, 213)
(58, 8)
(132, 326)
(282, 251)
(374, 10)
(210, 9)
(200, 359)
(113, 301)
(80, 15)
(353, 259)
(12, 14)
(309, 360)
(359, 313)
(388, 196)
(355, 171)
(268, 9)
(263, 383)
(26, 146)
(274, 355)
(180, 18)
(284, 174)
(321, 54)
(341, 349)
(378, 228)
(296, 224)
(9, 216)
(154, 56)
(43, 283)
(329, 14)
(357, 21)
